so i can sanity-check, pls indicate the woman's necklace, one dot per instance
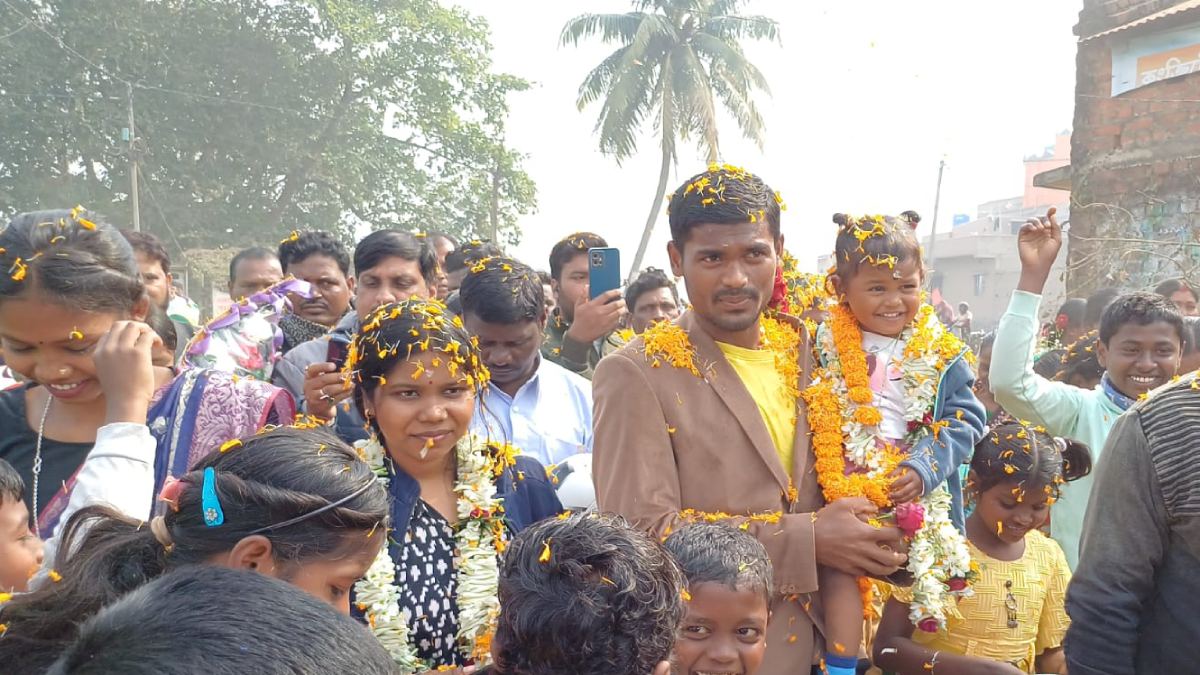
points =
(37, 461)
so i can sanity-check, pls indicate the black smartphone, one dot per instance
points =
(337, 352)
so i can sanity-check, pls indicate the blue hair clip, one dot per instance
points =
(213, 515)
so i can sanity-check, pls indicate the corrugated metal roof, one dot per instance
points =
(1157, 16)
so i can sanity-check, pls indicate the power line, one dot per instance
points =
(161, 214)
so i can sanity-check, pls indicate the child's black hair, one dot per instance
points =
(724, 195)
(716, 553)
(503, 291)
(12, 486)
(1021, 454)
(161, 323)
(397, 331)
(1082, 360)
(383, 244)
(73, 256)
(271, 479)
(875, 240)
(588, 595)
(1141, 309)
(1050, 362)
(210, 619)
(571, 247)
(303, 245)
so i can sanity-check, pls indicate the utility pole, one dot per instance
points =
(133, 164)
(495, 210)
(937, 201)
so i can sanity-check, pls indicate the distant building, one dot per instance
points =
(1135, 154)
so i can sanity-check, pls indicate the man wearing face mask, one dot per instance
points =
(390, 266)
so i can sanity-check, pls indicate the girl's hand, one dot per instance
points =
(125, 369)
(1038, 244)
(907, 486)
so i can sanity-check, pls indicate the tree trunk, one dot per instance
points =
(663, 174)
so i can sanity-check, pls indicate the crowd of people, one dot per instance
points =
(428, 456)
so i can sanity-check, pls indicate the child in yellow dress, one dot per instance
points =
(1015, 621)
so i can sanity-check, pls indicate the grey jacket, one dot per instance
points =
(289, 371)
(1132, 600)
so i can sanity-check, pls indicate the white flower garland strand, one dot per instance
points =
(477, 567)
(938, 551)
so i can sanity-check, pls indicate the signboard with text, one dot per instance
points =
(1143, 60)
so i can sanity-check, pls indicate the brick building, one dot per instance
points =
(1135, 155)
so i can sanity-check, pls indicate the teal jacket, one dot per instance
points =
(1070, 412)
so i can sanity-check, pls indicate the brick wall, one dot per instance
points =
(1135, 163)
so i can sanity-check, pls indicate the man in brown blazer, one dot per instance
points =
(668, 440)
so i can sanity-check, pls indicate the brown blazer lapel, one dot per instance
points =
(729, 388)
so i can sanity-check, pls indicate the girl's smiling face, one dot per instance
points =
(421, 409)
(50, 343)
(883, 299)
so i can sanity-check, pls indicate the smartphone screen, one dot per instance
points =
(336, 353)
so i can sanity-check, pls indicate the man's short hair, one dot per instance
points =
(1141, 309)
(504, 291)
(383, 244)
(471, 252)
(211, 619)
(252, 253)
(568, 248)
(586, 595)
(725, 195)
(149, 246)
(303, 245)
(720, 554)
(650, 279)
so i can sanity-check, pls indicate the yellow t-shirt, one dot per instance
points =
(979, 626)
(776, 404)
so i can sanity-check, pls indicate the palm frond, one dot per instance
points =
(733, 28)
(734, 62)
(610, 28)
(740, 106)
(692, 85)
(597, 82)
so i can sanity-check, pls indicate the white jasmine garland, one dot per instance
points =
(938, 552)
(479, 538)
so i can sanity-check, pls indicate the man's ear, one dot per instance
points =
(675, 254)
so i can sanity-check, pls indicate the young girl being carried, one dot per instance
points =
(1015, 621)
(893, 417)
(431, 595)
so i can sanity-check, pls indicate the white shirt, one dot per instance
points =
(887, 383)
(549, 419)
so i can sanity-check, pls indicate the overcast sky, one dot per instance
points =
(867, 97)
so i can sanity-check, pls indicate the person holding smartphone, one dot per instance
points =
(581, 330)
(389, 266)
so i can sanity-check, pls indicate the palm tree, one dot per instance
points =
(677, 59)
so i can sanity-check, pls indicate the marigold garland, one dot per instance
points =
(668, 341)
(844, 424)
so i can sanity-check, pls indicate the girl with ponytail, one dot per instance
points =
(295, 504)
(1016, 620)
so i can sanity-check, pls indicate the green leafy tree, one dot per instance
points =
(256, 118)
(678, 61)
